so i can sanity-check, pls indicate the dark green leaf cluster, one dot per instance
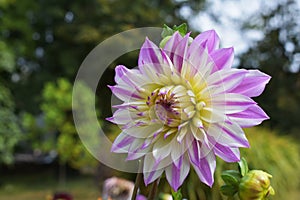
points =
(232, 179)
(167, 31)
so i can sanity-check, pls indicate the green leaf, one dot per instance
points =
(243, 166)
(228, 190)
(177, 195)
(182, 29)
(231, 177)
(167, 31)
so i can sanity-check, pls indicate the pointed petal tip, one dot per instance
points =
(114, 149)
(175, 187)
(109, 119)
(209, 32)
(146, 181)
(149, 44)
(247, 145)
(210, 184)
(120, 67)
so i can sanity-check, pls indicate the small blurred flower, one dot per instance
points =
(117, 189)
(165, 197)
(141, 197)
(255, 185)
(183, 106)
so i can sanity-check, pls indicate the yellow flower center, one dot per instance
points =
(172, 105)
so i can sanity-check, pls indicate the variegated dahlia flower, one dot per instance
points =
(184, 105)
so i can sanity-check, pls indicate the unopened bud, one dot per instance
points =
(255, 185)
(164, 41)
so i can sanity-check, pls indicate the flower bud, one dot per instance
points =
(164, 41)
(255, 185)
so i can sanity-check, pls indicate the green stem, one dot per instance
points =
(153, 189)
(138, 180)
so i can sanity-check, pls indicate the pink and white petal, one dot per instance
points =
(121, 116)
(179, 150)
(253, 83)
(150, 54)
(177, 174)
(205, 168)
(153, 168)
(122, 143)
(180, 53)
(252, 116)
(143, 131)
(230, 103)
(213, 115)
(136, 149)
(198, 150)
(207, 39)
(128, 77)
(194, 151)
(167, 66)
(121, 78)
(151, 176)
(223, 58)
(171, 45)
(199, 134)
(162, 148)
(228, 154)
(150, 74)
(226, 79)
(126, 93)
(137, 105)
(198, 60)
(231, 135)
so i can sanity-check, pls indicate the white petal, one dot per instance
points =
(135, 150)
(121, 116)
(212, 115)
(231, 135)
(231, 103)
(144, 131)
(176, 175)
(122, 143)
(162, 148)
(226, 79)
(153, 168)
(205, 168)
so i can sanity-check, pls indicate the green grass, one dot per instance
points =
(40, 186)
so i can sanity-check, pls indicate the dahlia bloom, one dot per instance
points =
(184, 105)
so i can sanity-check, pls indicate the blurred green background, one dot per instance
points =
(42, 44)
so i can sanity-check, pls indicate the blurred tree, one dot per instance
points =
(57, 131)
(51, 38)
(10, 133)
(278, 55)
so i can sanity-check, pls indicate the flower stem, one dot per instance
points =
(153, 189)
(138, 181)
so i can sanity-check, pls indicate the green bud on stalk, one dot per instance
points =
(255, 185)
